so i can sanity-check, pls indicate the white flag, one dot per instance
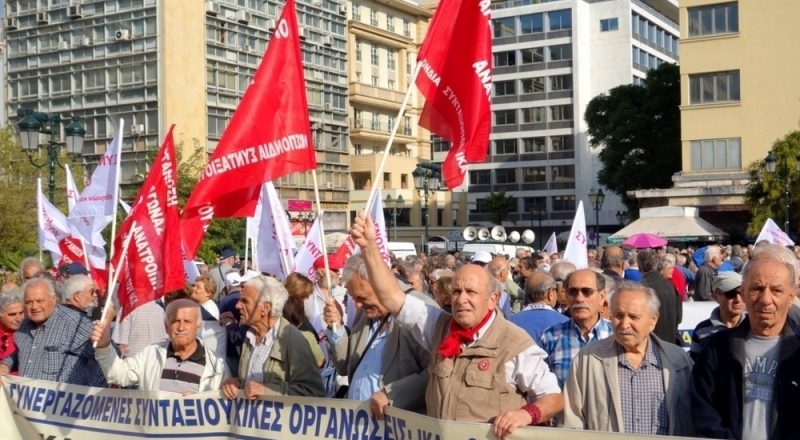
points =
(72, 190)
(309, 252)
(575, 251)
(52, 224)
(773, 234)
(274, 244)
(551, 247)
(97, 203)
(125, 207)
(381, 237)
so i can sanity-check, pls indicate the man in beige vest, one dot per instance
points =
(482, 368)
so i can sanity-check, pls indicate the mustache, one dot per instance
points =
(579, 307)
(626, 333)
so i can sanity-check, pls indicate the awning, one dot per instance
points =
(684, 228)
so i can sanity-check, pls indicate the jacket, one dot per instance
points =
(291, 369)
(592, 393)
(670, 313)
(718, 385)
(144, 368)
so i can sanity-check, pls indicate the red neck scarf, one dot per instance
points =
(451, 343)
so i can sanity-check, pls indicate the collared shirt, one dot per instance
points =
(707, 328)
(641, 390)
(143, 327)
(367, 377)
(58, 350)
(183, 375)
(260, 353)
(562, 342)
(536, 318)
(527, 370)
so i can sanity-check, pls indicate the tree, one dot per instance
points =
(765, 195)
(637, 129)
(497, 206)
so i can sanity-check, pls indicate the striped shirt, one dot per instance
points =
(562, 342)
(641, 390)
(707, 328)
(183, 375)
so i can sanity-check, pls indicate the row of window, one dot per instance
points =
(375, 52)
(558, 173)
(654, 34)
(382, 20)
(715, 87)
(533, 115)
(533, 55)
(532, 23)
(713, 19)
(532, 145)
(530, 204)
(539, 84)
(716, 154)
(645, 59)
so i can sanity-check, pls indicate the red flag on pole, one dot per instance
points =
(154, 264)
(268, 136)
(456, 79)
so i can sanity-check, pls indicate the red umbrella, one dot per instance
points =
(644, 241)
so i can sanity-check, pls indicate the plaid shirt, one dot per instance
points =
(58, 350)
(641, 390)
(562, 342)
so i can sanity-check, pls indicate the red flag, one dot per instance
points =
(456, 79)
(154, 264)
(268, 136)
(72, 251)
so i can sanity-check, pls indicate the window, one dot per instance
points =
(391, 59)
(559, 20)
(709, 88)
(373, 18)
(356, 12)
(358, 50)
(505, 117)
(562, 173)
(533, 145)
(534, 174)
(531, 55)
(560, 82)
(533, 115)
(502, 59)
(503, 88)
(505, 175)
(531, 204)
(373, 53)
(479, 177)
(531, 24)
(561, 143)
(561, 112)
(717, 154)
(390, 23)
(440, 144)
(505, 146)
(503, 27)
(560, 52)
(533, 85)
(406, 28)
(563, 203)
(609, 24)
(714, 19)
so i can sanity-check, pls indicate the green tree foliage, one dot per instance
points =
(637, 129)
(497, 206)
(765, 194)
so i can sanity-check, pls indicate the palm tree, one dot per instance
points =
(497, 206)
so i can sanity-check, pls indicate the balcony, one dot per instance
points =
(375, 96)
(376, 129)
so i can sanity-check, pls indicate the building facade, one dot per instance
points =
(550, 59)
(739, 94)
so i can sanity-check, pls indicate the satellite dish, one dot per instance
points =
(470, 233)
(498, 233)
(528, 236)
(514, 237)
(483, 234)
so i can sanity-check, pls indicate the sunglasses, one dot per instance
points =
(731, 294)
(585, 291)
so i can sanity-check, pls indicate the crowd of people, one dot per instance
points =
(511, 340)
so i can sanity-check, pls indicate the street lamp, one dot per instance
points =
(621, 217)
(772, 163)
(427, 178)
(394, 203)
(33, 123)
(540, 212)
(596, 197)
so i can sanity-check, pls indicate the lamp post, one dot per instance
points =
(596, 197)
(772, 162)
(540, 212)
(394, 203)
(427, 178)
(33, 123)
(621, 217)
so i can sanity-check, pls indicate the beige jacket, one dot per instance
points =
(592, 389)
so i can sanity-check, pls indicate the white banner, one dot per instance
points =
(551, 247)
(309, 251)
(52, 224)
(771, 233)
(576, 252)
(274, 246)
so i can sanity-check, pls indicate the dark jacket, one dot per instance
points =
(670, 313)
(717, 385)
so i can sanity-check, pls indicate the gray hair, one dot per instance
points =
(599, 280)
(181, 303)
(28, 262)
(666, 261)
(653, 303)
(355, 266)
(9, 298)
(538, 285)
(769, 251)
(712, 252)
(561, 270)
(648, 260)
(51, 289)
(74, 284)
(270, 291)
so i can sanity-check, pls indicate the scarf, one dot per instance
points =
(451, 343)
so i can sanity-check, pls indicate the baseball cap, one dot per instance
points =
(74, 269)
(482, 257)
(227, 253)
(726, 281)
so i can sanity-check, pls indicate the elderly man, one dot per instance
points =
(53, 340)
(745, 380)
(541, 293)
(613, 263)
(635, 382)
(498, 267)
(11, 316)
(276, 358)
(80, 294)
(181, 364)
(227, 258)
(382, 360)
(729, 314)
(30, 268)
(482, 368)
(586, 294)
(560, 271)
(704, 277)
(671, 312)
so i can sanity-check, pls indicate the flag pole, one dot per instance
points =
(390, 141)
(112, 284)
(116, 207)
(322, 234)
(39, 214)
(246, 243)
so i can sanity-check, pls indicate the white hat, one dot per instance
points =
(481, 257)
(233, 279)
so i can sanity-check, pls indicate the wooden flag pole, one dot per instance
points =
(113, 283)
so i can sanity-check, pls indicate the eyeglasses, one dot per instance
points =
(731, 294)
(585, 291)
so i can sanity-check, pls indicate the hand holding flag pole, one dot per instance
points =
(113, 283)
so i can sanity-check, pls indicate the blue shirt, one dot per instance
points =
(632, 274)
(536, 318)
(504, 304)
(563, 341)
(367, 377)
